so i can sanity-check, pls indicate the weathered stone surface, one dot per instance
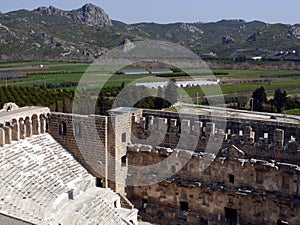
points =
(246, 173)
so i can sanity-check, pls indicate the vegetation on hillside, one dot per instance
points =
(32, 35)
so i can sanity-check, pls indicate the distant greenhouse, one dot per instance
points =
(145, 71)
(133, 71)
(11, 76)
(182, 84)
(160, 71)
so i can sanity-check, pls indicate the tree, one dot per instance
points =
(280, 99)
(242, 101)
(131, 95)
(259, 98)
(56, 106)
(171, 93)
(64, 106)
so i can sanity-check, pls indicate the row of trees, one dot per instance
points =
(88, 100)
(129, 96)
(280, 100)
(30, 96)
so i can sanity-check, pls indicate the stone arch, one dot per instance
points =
(15, 130)
(62, 128)
(22, 128)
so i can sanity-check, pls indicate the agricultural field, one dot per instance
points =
(57, 72)
(66, 76)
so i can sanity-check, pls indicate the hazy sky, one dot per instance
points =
(166, 11)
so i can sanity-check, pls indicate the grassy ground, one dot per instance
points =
(293, 112)
(246, 88)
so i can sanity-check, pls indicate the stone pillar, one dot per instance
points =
(2, 136)
(185, 126)
(28, 129)
(263, 142)
(210, 129)
(197, 127)
(278, 139)
(24, 130)
(38, 126)
(42, 121)
(44, 125)
(249, 135)
(7, 135)
(150, 122)
(15, 131)
(173, 122)
(162, 124)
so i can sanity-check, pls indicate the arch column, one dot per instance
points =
(38, 126)
(28, 127)
(2, 136)
(42, 124)
(35, 125)
(22, 128)
(45, 125)
(15, 131)
(8, 134)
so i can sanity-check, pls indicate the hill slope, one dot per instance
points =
(48, 33)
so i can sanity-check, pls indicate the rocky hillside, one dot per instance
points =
(89, 14)
(48, 33)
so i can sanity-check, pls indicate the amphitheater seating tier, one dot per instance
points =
(36, 175)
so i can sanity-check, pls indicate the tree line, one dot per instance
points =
(280, 102)
(61, 100)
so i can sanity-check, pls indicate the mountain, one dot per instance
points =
(48, 33)
(89, 14)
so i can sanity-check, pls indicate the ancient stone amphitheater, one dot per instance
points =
(201, 166)
(42, 183)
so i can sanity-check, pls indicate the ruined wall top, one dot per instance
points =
(11, 111)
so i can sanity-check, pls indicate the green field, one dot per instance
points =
(60, 72)
(244, 88)
(63, 79)
(293, 112)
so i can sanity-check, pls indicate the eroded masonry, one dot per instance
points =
(176, 168)
(245, 172)
(253, 178)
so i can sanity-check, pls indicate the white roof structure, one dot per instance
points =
(179, 83)
(160, 71)
(134, 71)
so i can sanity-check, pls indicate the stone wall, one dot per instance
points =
(98, 143)
(86, 138)
(259, 192)
(258, 139)
(119, 134)
(246, 172)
